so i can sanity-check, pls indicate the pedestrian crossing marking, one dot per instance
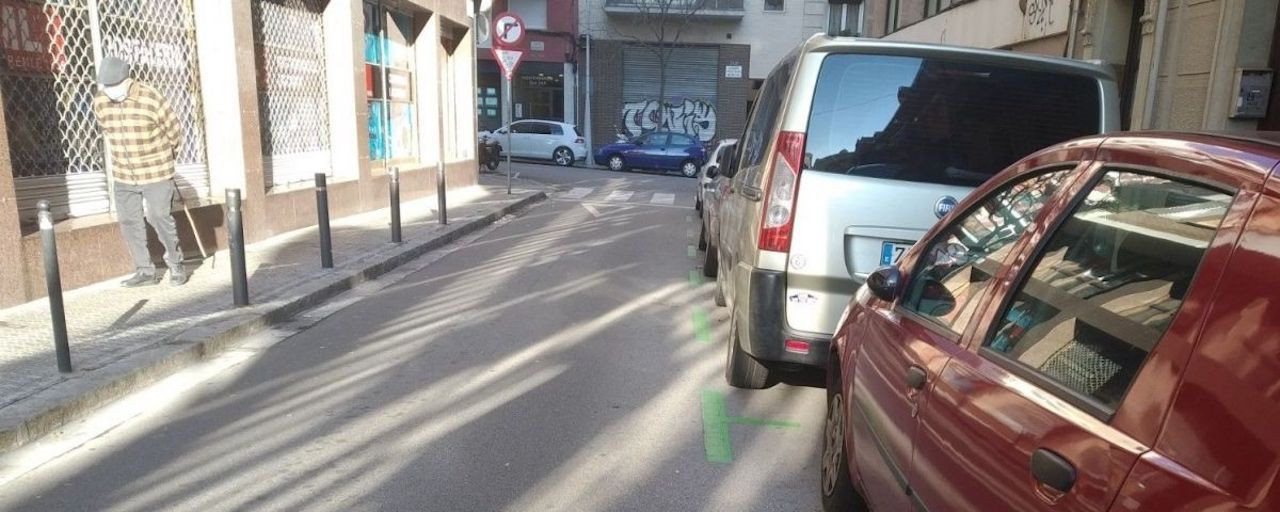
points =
(578, 193)
(663, 198)
(619, 195)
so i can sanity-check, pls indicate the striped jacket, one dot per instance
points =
(142, 132)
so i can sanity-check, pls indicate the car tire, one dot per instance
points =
(702, 238)
(740, 369)
(492, 165)
(719, 295)
(689, 169)
(563, 156)
(710, 261)
(616, 163)
(838, 493)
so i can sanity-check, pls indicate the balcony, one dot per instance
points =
(698, 9)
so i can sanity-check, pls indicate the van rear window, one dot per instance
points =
(940, 121)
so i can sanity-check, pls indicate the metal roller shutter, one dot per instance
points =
(690, 91)
(293, 99)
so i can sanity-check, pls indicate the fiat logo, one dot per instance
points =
(944, 206)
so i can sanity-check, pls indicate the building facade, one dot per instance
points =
(545, 83)
(1181, 64)
(691, 67)
(268, 93)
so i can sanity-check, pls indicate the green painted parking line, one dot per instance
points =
(701, 326)
(695, 277)
(693, 251)
(715, 426)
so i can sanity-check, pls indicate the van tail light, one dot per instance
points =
(579, 140)
(780, 194)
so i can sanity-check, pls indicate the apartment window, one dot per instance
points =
(533, 12)
(773, 5)
(932, 7)
(845, 19)
(891, 16)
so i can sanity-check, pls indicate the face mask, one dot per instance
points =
(118, 91)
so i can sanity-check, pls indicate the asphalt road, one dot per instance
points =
(565, 360)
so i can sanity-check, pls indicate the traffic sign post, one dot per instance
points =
(508, 34)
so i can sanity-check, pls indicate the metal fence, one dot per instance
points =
(292, 98)
(50, 52)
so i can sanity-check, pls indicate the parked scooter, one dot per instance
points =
(489, 153)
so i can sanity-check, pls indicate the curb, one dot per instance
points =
(77, 398)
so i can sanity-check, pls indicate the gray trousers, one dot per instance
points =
(158, 198)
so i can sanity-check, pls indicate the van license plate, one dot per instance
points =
(891, 252)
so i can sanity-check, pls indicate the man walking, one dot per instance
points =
(143, 135)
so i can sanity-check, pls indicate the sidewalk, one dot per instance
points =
(122, 339)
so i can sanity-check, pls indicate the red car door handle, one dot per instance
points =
(916, 377)
(1052, 471)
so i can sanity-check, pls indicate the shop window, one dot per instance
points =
(774, 5)
(389, 84)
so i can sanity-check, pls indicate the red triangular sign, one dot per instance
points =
(508, 60)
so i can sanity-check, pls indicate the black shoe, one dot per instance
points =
(179, 278)
(140, 279)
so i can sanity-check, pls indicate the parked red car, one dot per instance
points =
(1096, 328)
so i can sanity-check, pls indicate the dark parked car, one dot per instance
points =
(666, 151)
(1095, 328)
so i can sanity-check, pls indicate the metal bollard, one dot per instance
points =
(235, 244)
(53, 281)
(322, 211)
(440, 192)
(395, 205)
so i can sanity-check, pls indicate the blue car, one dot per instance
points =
(666, 151)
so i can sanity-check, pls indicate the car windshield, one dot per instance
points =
(940, 121)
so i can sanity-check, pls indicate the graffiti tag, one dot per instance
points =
(696, 118)
(1038, 13)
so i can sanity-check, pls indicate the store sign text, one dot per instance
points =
(25, 34)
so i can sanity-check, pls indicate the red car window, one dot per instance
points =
(1107, 284)
(959, 264)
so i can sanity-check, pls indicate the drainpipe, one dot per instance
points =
(1157, 50)
(1071, 29)
(586, 118)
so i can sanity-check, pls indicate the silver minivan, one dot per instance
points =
(854, 149)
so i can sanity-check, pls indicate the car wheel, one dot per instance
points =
(702, 238)
(616, 163)
(740, 369)
(563, 156)
(689, 169)
(838, 493)
(492, 164)
(710, 261)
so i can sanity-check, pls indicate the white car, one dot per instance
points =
(713, 160)
(559, 142)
